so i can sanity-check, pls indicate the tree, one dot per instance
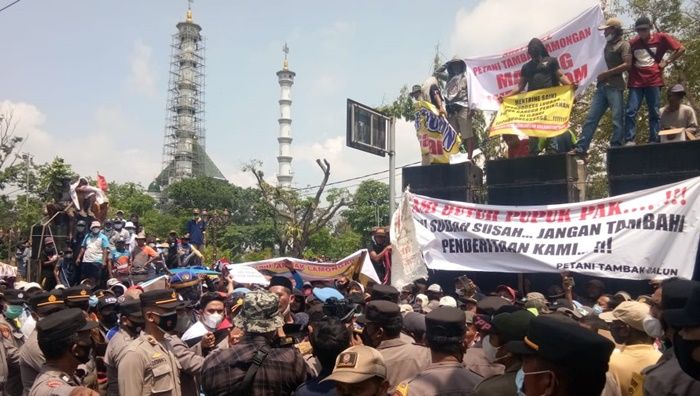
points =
(130, 198)
(9, 170)
(201, 193)
(369, 208)
(296, 218)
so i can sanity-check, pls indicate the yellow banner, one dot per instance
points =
(438, 140)
(542, 113)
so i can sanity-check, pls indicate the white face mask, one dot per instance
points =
(490, 351)
(212, 320)
(652, 327)
(609, 37)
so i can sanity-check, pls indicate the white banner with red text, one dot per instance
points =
(647, 234)
(577, 45)
(357, 262)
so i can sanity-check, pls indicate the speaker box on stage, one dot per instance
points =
(537, 180)
(455, 182)
(635, 168)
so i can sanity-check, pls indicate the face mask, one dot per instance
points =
(684, 353)
(519, 382)
(167, 322)
(652, 327)
(117, 227)
(13, 311)
(92, 301)
(489, 350)
(609, 37)
(460, 292)
(597, 309)
(82, 353)
(134, 327)
(131, 231)
(80, 228)
(212, 320)
(108, 228)
(110, 320)
(95, 230)
(67, 256)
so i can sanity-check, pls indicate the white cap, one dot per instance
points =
(95, 224)
(448, 301)
(32, 285)
(422, 299)
(129, 225)
(435, 288)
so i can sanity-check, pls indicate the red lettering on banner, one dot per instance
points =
(600, 210)
(566, 61)
(578, 74)
(507, 79)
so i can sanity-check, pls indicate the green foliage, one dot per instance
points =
(130, 198)
(160, 223)
(369, 208)
(332, 245)
(50, 177)
(202, 193)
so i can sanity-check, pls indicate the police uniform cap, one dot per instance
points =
(162, 298)
(15, 297)
(512, 326)
(76, 293)
(184, 279)
(44, 302)
(385, 292)
(60, 325)
(490, 304)
(445, 325)
(675, 293)
(382, 311)
(689, 314)
(563, 341)
(130, 308)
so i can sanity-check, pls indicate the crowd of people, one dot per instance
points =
(198, 334)
(636, 65)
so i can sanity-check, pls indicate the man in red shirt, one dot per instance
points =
(646, 75)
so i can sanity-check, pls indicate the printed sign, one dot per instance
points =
(543, 113)
(577, 45)
(642, 235)
(407, 263)
(438, 140)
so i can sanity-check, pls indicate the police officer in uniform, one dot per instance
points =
(148, 366)
(77, 297)
(383, 324)
(31, 358)
(445, 334)
(130, 326)
(10, 325)
(64, 338)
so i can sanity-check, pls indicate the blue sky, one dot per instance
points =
(88, 79)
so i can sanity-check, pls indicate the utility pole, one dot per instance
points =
(26, 158)
(392, 167)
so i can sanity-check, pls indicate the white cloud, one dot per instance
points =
(142, 77)
(494, 26)
(105, 148)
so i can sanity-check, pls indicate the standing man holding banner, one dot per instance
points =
(609, 89)
(646, 76)
(542, 71)
(458, 112)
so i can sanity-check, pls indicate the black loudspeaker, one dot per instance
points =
(539, 180)
(457, 182)
(635, 168)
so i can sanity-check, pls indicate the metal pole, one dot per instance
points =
(26, 172)
(392, 168)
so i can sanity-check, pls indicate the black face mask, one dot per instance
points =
(134, 327)
(184, 322)
(684, 354)
(110, 319)
(82, 353)
(167, 322)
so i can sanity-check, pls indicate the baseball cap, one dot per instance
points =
(435, 288)
(611, 22)
(448, 301)
(642, 23)
(259, 313)
(95, 224)
(677, 88)
(632, 313)
(129, 225)
(357, 364)
(687, 316)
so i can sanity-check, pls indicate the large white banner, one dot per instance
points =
(406, 261)
(577, 45)
(642, 235)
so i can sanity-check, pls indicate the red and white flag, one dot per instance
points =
(102, 182)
